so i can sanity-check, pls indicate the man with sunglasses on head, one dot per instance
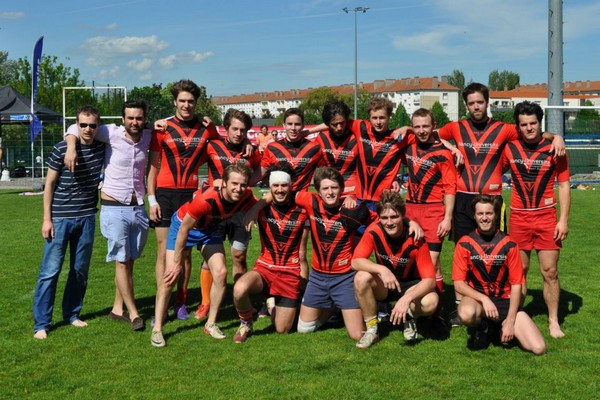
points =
(70, 199)
(123, 218)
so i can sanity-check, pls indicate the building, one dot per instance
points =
(413, 93)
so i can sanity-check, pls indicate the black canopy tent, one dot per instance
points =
(16, 109)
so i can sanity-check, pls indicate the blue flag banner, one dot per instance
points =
(35, 125)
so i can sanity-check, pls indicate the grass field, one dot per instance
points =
(107, 360)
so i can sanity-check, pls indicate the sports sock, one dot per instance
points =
(246, 316)
(371, 323)
(181, 296)
(206, 281)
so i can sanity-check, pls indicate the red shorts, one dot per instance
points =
(534, 229)
(279, 280)
(429, 217)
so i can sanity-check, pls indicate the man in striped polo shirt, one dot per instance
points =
(70, 200)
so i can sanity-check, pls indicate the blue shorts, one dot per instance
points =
(195, 236)
(328, 290)
(126, 231)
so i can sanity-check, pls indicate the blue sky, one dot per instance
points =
(235, 47)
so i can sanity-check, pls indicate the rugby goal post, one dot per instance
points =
(116, 89)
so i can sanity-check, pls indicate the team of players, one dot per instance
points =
(359, 163)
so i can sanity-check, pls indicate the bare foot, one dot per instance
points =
(79, 323)
(555, 330)
(41, 335)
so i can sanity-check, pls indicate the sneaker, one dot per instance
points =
(157, 339)
(243, 332)
(439, 325)
(214, 331)
(165, 319)
(481, 341)
(410, 327)
(264, 311)
(137, 324)
(454, 319)
(202, 311)
(368, 339)
(182, 312)
(383, 312)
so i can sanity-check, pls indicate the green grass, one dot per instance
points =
(107, 360)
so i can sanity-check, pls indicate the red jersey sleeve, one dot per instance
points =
(268, 158)
(156, 142)
(460, 263)
(365, 246)
(515, 267)
(424, 262)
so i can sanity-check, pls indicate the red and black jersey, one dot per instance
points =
(407, 259)
(181, 146)
(534, 169)
(331, 241)
(482, 150)
(378, 160)
(304, 156)
(431, 172)
(281, 228)
(209, 208)
(220, 154)
(489, 265)
(340, 153)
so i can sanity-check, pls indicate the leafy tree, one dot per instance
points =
(363, 99)
(400, 117)
(158, 100)
(457, 79)
(503, 80)
(53, 76)
(504, 116)
(204, 106)
(440, 116)
(267, 114)
(7, 68)
(314, 102)
(587, 120)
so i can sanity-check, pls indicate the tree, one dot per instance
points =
(457, 79)
(400, 117)
(158, 100)
(587, 120)
(53, 76)
(504, 116)
(7, 68)
(504, 80)
(440, 116)
(363, 99)
(314, 102)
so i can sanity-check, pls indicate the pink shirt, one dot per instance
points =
(125, 162)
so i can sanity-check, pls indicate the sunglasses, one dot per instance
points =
(84, 125)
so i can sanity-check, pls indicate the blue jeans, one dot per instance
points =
(78, 234)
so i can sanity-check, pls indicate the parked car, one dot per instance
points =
(19, 172)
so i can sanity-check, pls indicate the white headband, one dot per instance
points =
(279, 177)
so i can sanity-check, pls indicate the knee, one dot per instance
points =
(362, 281)
(466, 314)
(308, 327)
(538, 348)
(240, 289)
(429, 303)
(219, 275)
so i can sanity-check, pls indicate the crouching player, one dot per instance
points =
(196, 223)
(487, 271)
(277, 270)
(403, 271)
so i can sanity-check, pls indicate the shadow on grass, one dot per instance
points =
(569, 303)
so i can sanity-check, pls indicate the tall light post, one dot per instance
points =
(356, 11)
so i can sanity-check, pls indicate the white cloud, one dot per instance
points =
(103, 50)
(170, 61)
(14, 15)
(581, 20)
(146, 77)
(142, 65)
(111, 27)
(107, 74)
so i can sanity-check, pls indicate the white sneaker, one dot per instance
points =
(368, 339)
(410, 327)
(214, 331)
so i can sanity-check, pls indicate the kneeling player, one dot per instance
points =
(488, 273)
(403, 271)
(277, 270)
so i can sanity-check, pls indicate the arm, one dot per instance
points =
(462, 288)
(564, 201)
(459, 159)
(558, 143)
(252, 214)
(387, 277)
(508, 325)
(315, 129)
(155, 211)
(71, 137)
(47, 226)
(398, 314)
(445, 226)
(415, 229)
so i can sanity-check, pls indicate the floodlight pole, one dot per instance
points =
(356, 10)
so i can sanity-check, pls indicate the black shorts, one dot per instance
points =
(404, 286)
(464, 220)
(170, 200)
(233, 229)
